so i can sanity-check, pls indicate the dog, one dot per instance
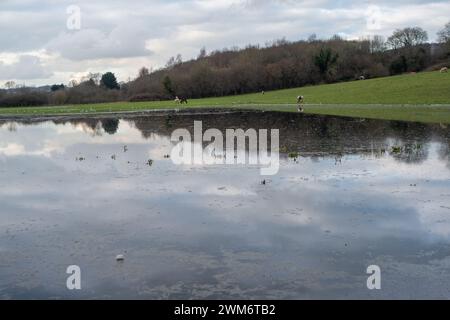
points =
(183, 100)
(300, 100)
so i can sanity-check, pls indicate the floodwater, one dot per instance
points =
(362, 192)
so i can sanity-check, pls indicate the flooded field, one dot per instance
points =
(80, 192)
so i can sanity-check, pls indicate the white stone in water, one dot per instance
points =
(120, 258)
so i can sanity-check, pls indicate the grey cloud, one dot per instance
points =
(91, 44)
(26, 68)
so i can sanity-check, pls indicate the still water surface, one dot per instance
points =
(361, 193)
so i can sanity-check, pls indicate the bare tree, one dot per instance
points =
(143, 72)
(377, 44)
(10, 85)
(179, 59)
(96, 77)
(173, 61)
(407, 37)
(72, 83)
(312, 38)
(202, 53)
(170, 63)
(444, 34)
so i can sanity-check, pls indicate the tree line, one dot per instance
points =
(278, 65)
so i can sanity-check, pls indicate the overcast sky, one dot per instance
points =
(40, 42)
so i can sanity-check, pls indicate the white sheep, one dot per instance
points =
(444, 70)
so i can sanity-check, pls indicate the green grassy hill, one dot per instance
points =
(420, 88)
(412, 97)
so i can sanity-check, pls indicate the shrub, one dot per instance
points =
(23, 99)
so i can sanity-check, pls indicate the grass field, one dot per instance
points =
(421, 97)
